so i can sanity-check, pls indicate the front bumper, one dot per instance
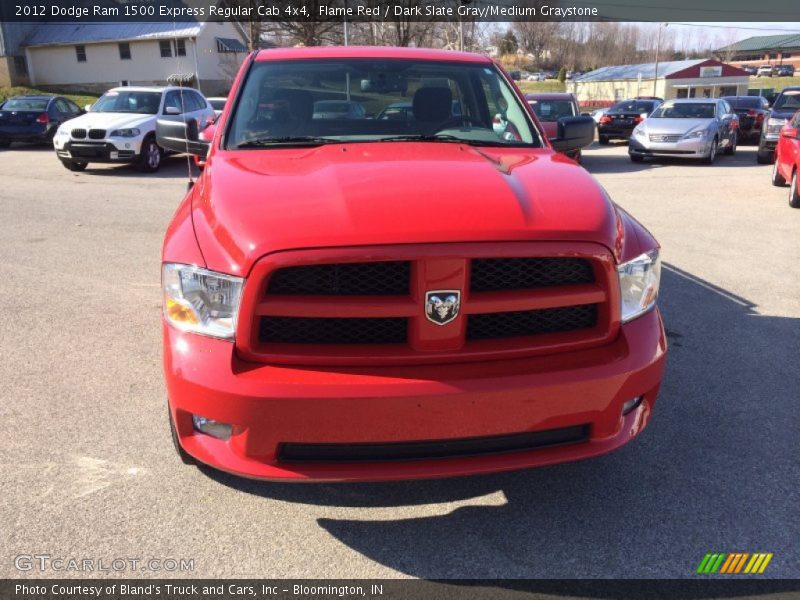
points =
(692, 148)
(116, 151)
(269, 406)
(30, 133)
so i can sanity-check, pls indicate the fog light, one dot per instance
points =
(631, 404)
(217, 429)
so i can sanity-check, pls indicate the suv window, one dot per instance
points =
(633, 106)
(788, 100)
(173, 100)
(193, 101)
(553, 110)
(460, 101)
(62, 106)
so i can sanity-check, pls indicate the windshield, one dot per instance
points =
(685, 110)
(633, 106)
(788, 101)
(26, 104)
(745, 102)
(128, 102)
(552, 110)
(366, 100)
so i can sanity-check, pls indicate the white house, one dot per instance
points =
(98, 56)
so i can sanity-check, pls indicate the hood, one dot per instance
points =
(107, 120)
(675, 126)
(249, 203)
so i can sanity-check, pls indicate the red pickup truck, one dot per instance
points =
(388, 294)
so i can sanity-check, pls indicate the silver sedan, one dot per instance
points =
(686, 128)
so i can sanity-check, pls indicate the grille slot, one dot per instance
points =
(665, 138)
(79, 134)
(312, 330)
(500, 274)
(364, 452)
(97, 134)
(531, 322)
(345, 279)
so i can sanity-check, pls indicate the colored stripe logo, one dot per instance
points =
(734, 563)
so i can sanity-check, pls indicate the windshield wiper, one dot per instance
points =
(443, 137)
(300, 140)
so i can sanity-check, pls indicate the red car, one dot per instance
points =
(366, 299)
(549, 108)
(787, 159)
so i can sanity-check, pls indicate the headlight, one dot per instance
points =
(639, 132)
(133, 132)
(201, 301)
(638, 284)
(775, 125)
(697, 134)
(62, 132)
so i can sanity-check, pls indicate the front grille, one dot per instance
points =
(345, 279)
(492, 326)
(311, 330)
(97, 134)
(436, 449)
(79, 134)
(665, 138)
(495, 274)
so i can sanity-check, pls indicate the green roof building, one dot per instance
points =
(764, 49)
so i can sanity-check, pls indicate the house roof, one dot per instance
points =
(764, 42)
(49, 34)
(647, 70)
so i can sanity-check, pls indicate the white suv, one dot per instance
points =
(120, 127)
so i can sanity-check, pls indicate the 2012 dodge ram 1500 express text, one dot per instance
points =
(371, 280)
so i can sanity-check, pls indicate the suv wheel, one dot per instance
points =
(764, 156)
(75, 165)
(603, 139)
(777, 178)
(794, 193)
(150, 157)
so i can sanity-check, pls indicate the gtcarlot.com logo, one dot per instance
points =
(734, 563)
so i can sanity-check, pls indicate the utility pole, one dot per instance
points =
(345, 28)
(658, 51)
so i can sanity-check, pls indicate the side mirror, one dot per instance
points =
(87, 108)
(172, 110)
(574, 133)
(179, 135)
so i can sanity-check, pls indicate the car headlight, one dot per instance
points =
(638, 283)
(775, 125)
(62, 132)
(697, 134)
(132, 132)
(639, 132)
(201, 301)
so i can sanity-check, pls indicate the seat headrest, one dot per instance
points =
(299, 103)
(432, 104)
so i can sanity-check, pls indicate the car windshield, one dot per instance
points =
(310, 102)
(552, 110)
(745, 102)
(788, 101)
(26, 104)
(128, 102)
(633, 106)
(685, 110)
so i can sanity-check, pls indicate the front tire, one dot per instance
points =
(150, 157)
(794, 193)
(636, 158)
(777, 178)
(75, 165)
(731, 149)
(185, 457)
(712, 153)
(5, 144)
(763, 156)
(603, 139)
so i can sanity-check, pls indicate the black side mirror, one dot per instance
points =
(574, 133)
(178, 134)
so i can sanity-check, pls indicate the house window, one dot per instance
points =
(180, 47)
(20, 65)
(80, 53)
(124, 51)
(166, 48)
(773, 55)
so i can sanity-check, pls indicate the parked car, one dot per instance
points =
(765, 71)
(515, 75)
(781, 110)
(598, 114)
(217, 103)
(784, 71)
(749, 70)
(338, 109)
(120, 127)
(787, 159)
(357, 299)
(550, 108)
(752, 111)
(535, 77)
(686, 128)
(620, 119)
(34, 118)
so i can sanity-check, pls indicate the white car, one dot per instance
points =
(120, 127)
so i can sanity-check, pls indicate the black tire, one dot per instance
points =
(731, 149)
(764, 156)
(74, 165)
(5, 143)
(603, 139)
(636, 158)
(777, 178)
(712, 153)
(185, 457)
(794, 193)
(150, 156)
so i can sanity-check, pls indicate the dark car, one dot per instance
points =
(784, 71)
(620, 119)
(752, 111)
(748, 70)
(783, 108)
(34, 118)
(549, 108)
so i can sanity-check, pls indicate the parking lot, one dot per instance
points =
(90, 471)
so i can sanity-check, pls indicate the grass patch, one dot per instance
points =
(79, 99)
(541, 87)
(776, 83)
